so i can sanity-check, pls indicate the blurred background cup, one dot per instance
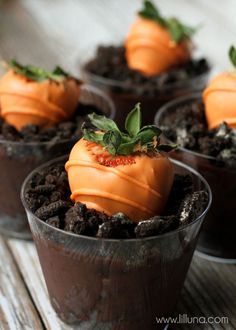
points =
(113, 283)
(18, 159)
(217, 237)
(126, 94)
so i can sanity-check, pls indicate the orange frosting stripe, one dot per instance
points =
(220, 100)
(46, 119)
(150, 49)
(113, 197)
(45, 103)
(35, 101)
(114, 170)
(139, 190)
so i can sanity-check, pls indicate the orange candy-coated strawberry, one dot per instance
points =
(114, 171)
(220, 100)
(137, 185)
(44, 103)
(151, 50)
(220, 97)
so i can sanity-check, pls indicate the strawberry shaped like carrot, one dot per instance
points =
(220, 97)
(115, 172)
(30, 95)
(155, 44)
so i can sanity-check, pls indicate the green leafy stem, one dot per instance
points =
(177, 30)
(136, 139)
(232, 55)
(37, 74)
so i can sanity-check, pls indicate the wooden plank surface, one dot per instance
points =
(210, 291)
(26, 255)
(46, 33)
(17, 311)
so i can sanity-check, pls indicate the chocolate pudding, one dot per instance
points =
(121, 278)
(22, 151)
(109, 71)
(212, 153)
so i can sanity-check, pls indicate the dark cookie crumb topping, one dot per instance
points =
(110, 62)
(64, 130)
(48, 197)
(187, 127)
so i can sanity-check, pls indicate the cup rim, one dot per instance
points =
(69, 234)
(167, 87)
(84, 87)
(177, 101)
(116, 83)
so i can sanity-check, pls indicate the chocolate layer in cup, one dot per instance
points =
(115, 283)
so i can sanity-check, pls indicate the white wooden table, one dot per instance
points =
(46, 33)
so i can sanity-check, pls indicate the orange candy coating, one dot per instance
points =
(150, 49)
(45, 103)
(139, 190)
(220, 100)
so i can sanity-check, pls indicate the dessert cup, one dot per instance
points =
(18, 159)
(217, 237)
(125, 95)
(115, 283)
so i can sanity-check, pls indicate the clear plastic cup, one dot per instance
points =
(18, 159)
(126, 95)
(217, 238)
(115, 283)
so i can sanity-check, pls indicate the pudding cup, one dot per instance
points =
(217, 237)
(115, 283)
(18, 159)
(126, 95)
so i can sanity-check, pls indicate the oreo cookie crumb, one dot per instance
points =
(182, 185)
(75, 215)
(119, 227)
(192, 206)
(44, 188)
(53, 221)
(148, 228)
(9, 132)
(187, 126)
(48, 196)
(65, 130)
(55, 208)
(110, 62)
(156, 226)
(34, 200)
(29, 133)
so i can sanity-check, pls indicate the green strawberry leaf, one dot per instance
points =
(137, 139)
(38, 74)
(133, 121)
(177, 30)
(166, 147)
(112, 140)
(126, 149)
(126, 138)
(150, 11)
(148, 133)
(232, 55)
(101, 122)
(60, 72)
(90, 135)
